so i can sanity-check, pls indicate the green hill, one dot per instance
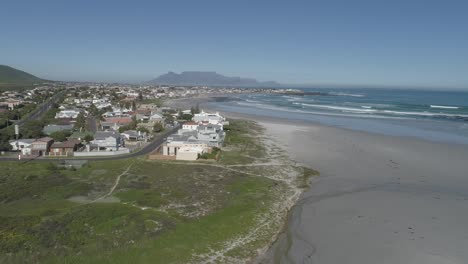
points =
(12, 76)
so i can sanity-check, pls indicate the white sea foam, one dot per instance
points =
(341, 111)
(445, 107)
(363, 114)
(346, 94)
(375, 111)
(424, 114)
(339, 108)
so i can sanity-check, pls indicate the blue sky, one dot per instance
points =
(360, 42)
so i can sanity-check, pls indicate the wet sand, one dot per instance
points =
(379, 199)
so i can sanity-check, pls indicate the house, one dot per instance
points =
(190, 149)
(64, 148)
(49, 129)
(23, 145)
(212, 118)
(184, 145)
(190, 126)
(141, 117)
(68, 113)
(41, 146)
(115, 122)
(190, 153)
(80, 135)
(107, 140)
(13, 103)
(133, 135)
(213, 135)
(148, 106)
(156, 118)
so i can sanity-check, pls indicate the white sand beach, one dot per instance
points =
(379, 199)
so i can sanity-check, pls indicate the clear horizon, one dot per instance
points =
(417, 44)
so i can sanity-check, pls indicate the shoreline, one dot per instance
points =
(188, 102)
(379, 199)
(363, 175)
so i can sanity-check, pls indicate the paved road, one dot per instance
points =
(91, 120)
(153, 145)
(41, 109)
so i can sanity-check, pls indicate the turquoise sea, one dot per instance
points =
(431, 115)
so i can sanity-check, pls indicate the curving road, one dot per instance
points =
(153, 145)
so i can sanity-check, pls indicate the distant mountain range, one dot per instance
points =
(207, 79)
(9, 75)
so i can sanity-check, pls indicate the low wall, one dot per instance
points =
(160, 157)
(101, 153)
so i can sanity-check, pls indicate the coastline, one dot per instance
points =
(379, 199)
(362, 173)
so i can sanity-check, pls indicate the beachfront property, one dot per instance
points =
(184, 146)
(212, 118)
(196, 137)
(213, 135)
(190, 125)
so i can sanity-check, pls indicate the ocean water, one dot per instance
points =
(431, 115)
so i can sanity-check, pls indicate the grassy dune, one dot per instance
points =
(146, 211)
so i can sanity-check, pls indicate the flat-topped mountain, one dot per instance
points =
(207, 78)
(10, 75)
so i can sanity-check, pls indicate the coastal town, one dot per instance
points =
(56, 120)
(129, 165)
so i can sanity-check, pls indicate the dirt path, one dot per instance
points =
(116, 183)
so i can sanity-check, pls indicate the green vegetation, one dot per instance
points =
(31, 129)
(242, 142)
(166, 212)
(80, 121)
(14, 77)
(212, 155)
(60, 135)
(139, 211)
(19, 112)
(158, 127)
(132, 126)
(88, 138)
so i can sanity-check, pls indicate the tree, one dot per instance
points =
(186, 117)
(93, 110)
(60, 135)
(143, 129)
(140, 96)
(32, 129)
(80, 121)
(133, 106)
(88, 138)
(128, 105)
(158, 127)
